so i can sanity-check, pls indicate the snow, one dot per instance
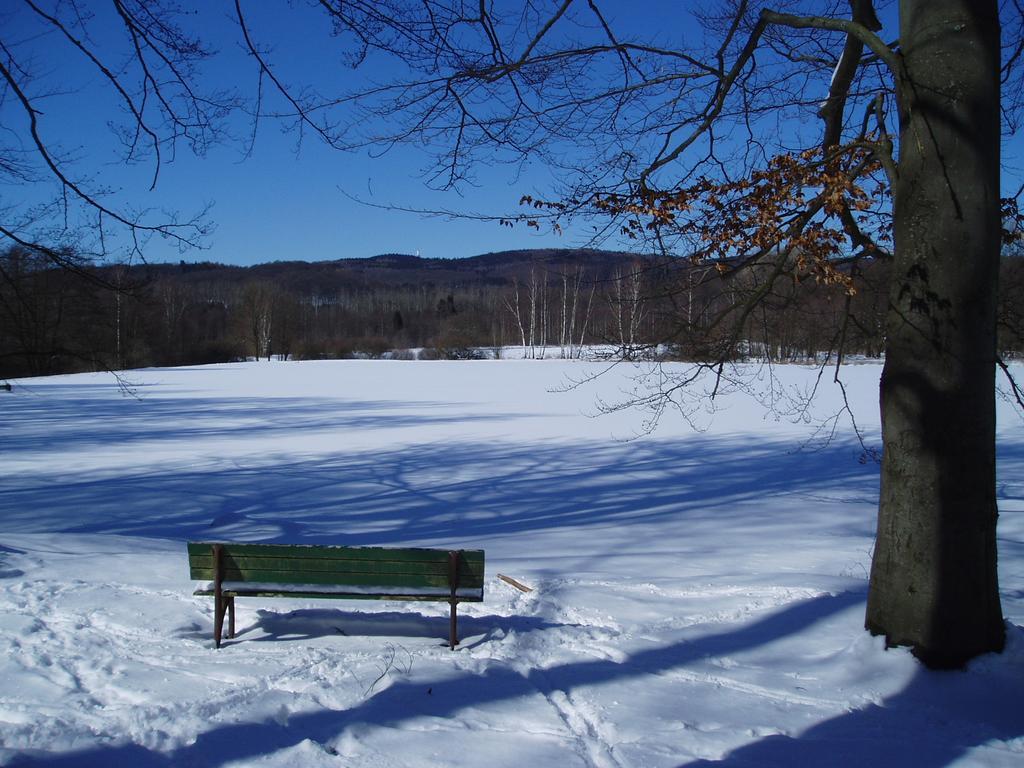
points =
(698, 591)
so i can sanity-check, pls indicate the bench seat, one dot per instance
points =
(255, 588)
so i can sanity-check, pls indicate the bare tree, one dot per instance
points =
(904, 166)
(51, 320)
(257, 302)
(627, 303)
(148, 63)
(676, 141)
(513, 305)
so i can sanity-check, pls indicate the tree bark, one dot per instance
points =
(933, 577)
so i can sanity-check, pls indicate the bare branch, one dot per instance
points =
(850, 27)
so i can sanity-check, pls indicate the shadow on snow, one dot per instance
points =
(471, 493)
(903, 730)
(434, 491)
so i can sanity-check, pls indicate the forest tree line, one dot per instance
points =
(548, 302)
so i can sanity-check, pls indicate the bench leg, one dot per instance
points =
(453, 627)
(218, 597)
(222, 605)
(218, 618)
(453, 583)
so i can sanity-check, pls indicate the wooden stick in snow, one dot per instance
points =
(509, 580)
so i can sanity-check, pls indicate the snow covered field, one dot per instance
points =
(698, 598)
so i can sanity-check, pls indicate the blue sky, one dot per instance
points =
(294, 200)
(285, 202)
(280, 204)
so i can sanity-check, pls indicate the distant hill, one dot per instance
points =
(400, 270)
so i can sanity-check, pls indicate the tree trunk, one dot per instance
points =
(933, 576)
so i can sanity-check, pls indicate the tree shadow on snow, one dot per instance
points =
(460, 492)
(80, 423)
(404, 701)
(5, 571)
(936, 719)
(932, 722)
(469, 494)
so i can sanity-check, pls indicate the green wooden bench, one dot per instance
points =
(356, 573)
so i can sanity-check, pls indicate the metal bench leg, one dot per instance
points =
(218, 596)
(453, 627)
(453, 584)
(231, 617)
(218, 618)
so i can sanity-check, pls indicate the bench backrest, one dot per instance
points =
(360, 567)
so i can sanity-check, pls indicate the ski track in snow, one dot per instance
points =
(696, 597)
